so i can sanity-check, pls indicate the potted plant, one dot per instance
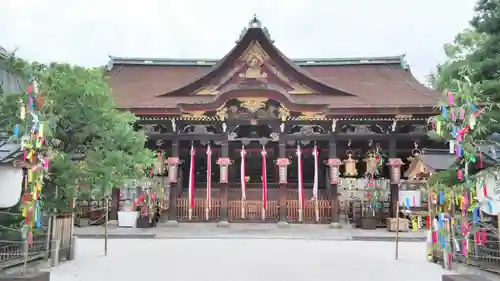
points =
(128, 217)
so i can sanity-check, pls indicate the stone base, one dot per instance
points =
(72, 248)
(29, 276)
(113, 223)
(171, 223)
(335, 225)
(223, 224)
(283, 224)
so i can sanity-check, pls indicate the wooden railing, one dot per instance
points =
(309, 215)
(252, 211)
(198, 210)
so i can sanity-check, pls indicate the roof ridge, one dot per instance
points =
(299, 61)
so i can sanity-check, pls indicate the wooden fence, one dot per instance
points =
(198, 210)
(309, 215)
(61, 230)
(252, 211)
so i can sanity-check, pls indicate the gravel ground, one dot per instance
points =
(246, 259)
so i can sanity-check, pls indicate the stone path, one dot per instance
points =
(249, 231)
(246, 259)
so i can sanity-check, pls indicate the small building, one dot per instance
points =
(12, 177)
(9, 83)
(254, 107)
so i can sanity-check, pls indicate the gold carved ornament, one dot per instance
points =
(254, 58)
(254, 104)
(299, 89)
(221, 114)
(195, 115)
(350, 163)
(283, 113)
(311, 116)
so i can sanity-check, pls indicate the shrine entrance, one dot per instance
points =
(253, 187)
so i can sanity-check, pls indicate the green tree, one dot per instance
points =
(94, 146)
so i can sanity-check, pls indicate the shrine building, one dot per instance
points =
(273, 138)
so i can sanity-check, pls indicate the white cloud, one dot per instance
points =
(86, 31)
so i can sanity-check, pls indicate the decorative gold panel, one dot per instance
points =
(311, 116)
(194, 115)
(298, 89)
(209, 91)
(253, 104)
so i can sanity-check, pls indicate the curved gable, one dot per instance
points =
(254, 60)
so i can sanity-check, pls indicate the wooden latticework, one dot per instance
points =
(324, 211)
(198, 211)
(253, 211)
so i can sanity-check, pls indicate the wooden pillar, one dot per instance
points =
(115, 204)
(173, 177)
(395, 176)
(282, 163)
(224, 163)
(334, 164)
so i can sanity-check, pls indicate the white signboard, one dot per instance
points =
(10, 186)
(489, 204)
(410, 198)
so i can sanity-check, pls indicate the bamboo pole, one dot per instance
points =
(431, 219)
(397, 230)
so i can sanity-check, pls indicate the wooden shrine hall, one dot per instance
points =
(257, 136)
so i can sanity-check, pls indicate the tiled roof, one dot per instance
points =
(8, 151)
(384, 82)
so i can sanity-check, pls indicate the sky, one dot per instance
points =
(86, 32)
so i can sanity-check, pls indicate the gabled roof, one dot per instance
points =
(161, 85)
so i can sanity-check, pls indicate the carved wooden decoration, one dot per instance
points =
(371, 164)
(311, 116)
(194, 115)
(350, 166)
(254, 58)
(253, 105)
(283, 113)
(222, 113)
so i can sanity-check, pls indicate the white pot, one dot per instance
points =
(127, 218)
(11, 184)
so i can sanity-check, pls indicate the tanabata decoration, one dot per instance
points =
(459, 116)
(30, 133)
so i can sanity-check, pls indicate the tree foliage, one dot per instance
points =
(472, 72)
(94, 146)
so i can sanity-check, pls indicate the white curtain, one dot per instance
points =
(11, 181)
